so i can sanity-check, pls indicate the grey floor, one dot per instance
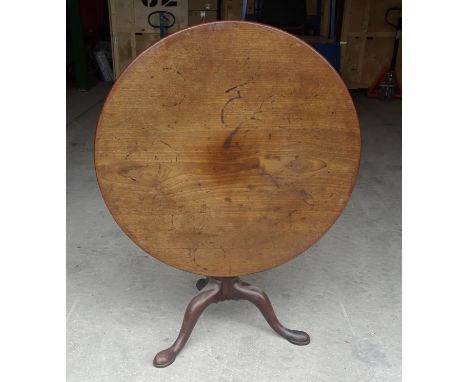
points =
(123, 306)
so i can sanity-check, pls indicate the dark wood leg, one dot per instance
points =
(211, 293)
(256, 296)
(213, 290)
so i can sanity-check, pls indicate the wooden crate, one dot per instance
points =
(122, 34)
(180, 11)
(200, 17)
(203, 5)
(232, 9)
(144, 40)
(367, 41)
(129, 27)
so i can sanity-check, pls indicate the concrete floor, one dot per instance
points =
(123, 306)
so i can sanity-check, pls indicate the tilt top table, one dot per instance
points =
(223, 150)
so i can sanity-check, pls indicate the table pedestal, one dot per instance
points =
(213, 290)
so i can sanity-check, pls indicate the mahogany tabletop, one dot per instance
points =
(227, 148)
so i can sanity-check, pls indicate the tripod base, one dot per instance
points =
(213, 290)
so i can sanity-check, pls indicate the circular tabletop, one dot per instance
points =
(227, 148)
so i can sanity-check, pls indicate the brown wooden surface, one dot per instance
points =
(227, 148)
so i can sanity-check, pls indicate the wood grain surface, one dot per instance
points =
(227, 148)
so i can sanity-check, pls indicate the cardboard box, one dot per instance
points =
(200, 17)
(203, 5)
